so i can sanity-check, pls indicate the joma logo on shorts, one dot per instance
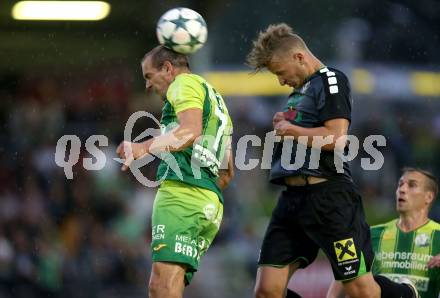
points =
(159, 247)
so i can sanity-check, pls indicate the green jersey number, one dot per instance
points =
(219, 112)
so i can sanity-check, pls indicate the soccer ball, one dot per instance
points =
(182, 30)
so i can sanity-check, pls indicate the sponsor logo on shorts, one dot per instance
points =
(346, 255)
(212, 214)
(345, 250)
(187, 250)
(158, 232)
(159, 246)
(349, 270)
(210, 211)
(187, 246)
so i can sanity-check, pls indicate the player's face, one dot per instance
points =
(289, 69)
(411, 194)
(156, 79)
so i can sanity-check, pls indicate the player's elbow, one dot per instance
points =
(229, 176)
(225, 177)
(338, 143)
(196, 134)
(195, 131)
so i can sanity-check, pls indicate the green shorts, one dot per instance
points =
(185, 221)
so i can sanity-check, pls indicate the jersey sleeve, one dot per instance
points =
(376, 233)
(185, 93)
(334, 99)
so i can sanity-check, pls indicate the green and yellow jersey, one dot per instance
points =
(198, 164)
(398, 253)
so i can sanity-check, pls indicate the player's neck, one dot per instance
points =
(180, 70)
(316, 65)
(411, 221)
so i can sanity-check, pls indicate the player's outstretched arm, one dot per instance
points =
(178, 139)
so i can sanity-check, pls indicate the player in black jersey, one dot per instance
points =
(320, 207)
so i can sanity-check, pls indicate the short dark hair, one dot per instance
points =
(160, 54)
(277, 38)
(432, 183)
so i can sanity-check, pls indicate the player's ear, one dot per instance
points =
(430, 197)
(299, 57)
(168, 67)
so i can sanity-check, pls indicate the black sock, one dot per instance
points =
(392, 289)
(292, 294)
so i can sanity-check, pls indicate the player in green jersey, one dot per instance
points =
(408, 247)
(196, 132)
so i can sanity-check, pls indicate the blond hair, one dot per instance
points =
(277, 38)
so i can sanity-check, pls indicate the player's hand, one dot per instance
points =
(282, 128)
(434, 262)
(279, 116)
(128, 151)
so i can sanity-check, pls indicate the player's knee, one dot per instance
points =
(157, 287)
(362, 290)
(166, 280)
(264, 291)
(362, 293)
(161, 282)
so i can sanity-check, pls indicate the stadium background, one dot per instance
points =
(88, 237)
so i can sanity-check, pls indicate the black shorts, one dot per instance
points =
(328, 215)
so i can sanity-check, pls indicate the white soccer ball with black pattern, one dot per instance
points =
(182, 30)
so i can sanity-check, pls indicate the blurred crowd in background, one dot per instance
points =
(89, 236)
